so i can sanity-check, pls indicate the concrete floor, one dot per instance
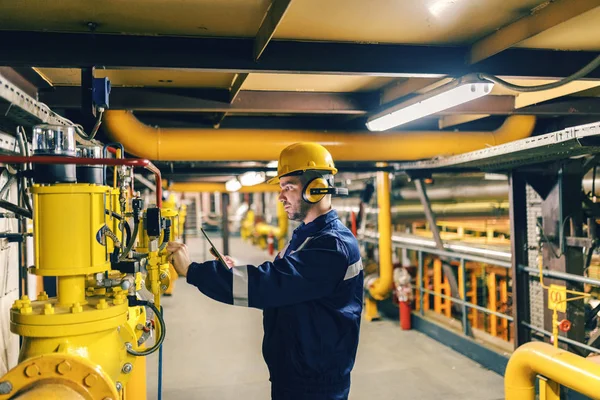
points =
(212, 351)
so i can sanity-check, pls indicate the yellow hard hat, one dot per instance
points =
(302, 157)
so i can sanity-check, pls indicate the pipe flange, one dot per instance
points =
(77, 373)
(48, 319)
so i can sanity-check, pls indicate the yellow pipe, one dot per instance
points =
(558, 365)
(185, 144)
(382, 286)
(50, 391)
(71, 290)
(204, 187)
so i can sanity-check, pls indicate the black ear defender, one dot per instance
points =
(320, 186)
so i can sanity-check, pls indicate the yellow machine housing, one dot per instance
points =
(74, 345)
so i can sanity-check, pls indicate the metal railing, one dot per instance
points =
(475, 254)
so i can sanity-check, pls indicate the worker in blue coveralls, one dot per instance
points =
(311, 294)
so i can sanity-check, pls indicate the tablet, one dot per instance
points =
(215, 251)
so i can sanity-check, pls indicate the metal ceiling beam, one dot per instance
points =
(236, 55)
(251, 102)
(236, 86)
(266, 102)
(269, 25)
(20, 81)
(539, 20)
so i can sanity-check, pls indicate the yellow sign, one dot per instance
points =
(557, 296)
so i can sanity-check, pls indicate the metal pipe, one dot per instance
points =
(558, 365)
(20, 211)
(265, 145)
(562, 338)
(458, 251)
(204, 187)
(71, 290)
(470, 305)
(415, 211)
(130, 162)
(483, 190)
(382, 286)
(561, 275)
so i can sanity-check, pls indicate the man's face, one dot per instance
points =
(291, 197)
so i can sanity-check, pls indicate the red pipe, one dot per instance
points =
(131, 162)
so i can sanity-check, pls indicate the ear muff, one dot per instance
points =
(315, 183)
(317, 188)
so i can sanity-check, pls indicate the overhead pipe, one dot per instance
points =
(193, 144)
(558, 365)
(209, 187)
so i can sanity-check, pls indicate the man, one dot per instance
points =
(311, 294)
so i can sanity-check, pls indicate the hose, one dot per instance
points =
(163, 330)
(595, 63)
(110, 234)
(136, 228)
(166, 237)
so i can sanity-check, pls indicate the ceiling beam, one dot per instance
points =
(251, 102)
(269, 24)
(284, 56)
(447, 121)
(539, 20)
(236, 86)
(402, 87)
(16, 78)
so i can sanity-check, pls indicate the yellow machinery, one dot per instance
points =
(88, 342)
(176, 216)
(261, 233)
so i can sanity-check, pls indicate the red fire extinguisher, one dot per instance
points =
(271, 243)
(404, 294)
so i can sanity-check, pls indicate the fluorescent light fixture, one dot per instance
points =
(233, 185)
(442, 98)
(252, 178)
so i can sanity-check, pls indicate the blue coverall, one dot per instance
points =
(311, 297)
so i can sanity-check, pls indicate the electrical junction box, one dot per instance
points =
(100, 92)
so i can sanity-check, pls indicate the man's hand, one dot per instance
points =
(179, 257)
(230, 261)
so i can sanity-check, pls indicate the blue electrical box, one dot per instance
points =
(101, 92)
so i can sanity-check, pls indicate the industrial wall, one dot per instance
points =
(9, 283)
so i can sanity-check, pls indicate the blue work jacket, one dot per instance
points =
(311, 296)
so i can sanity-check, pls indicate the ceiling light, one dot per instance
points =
(233, 185)
(252, 178)
(442, 98)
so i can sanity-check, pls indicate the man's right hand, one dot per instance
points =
(179, 257)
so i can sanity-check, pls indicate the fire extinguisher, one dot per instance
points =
(404, 294)
(271, 243)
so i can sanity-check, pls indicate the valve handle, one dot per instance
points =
(564, 325)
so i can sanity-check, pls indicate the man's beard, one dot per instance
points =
(301, 214)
